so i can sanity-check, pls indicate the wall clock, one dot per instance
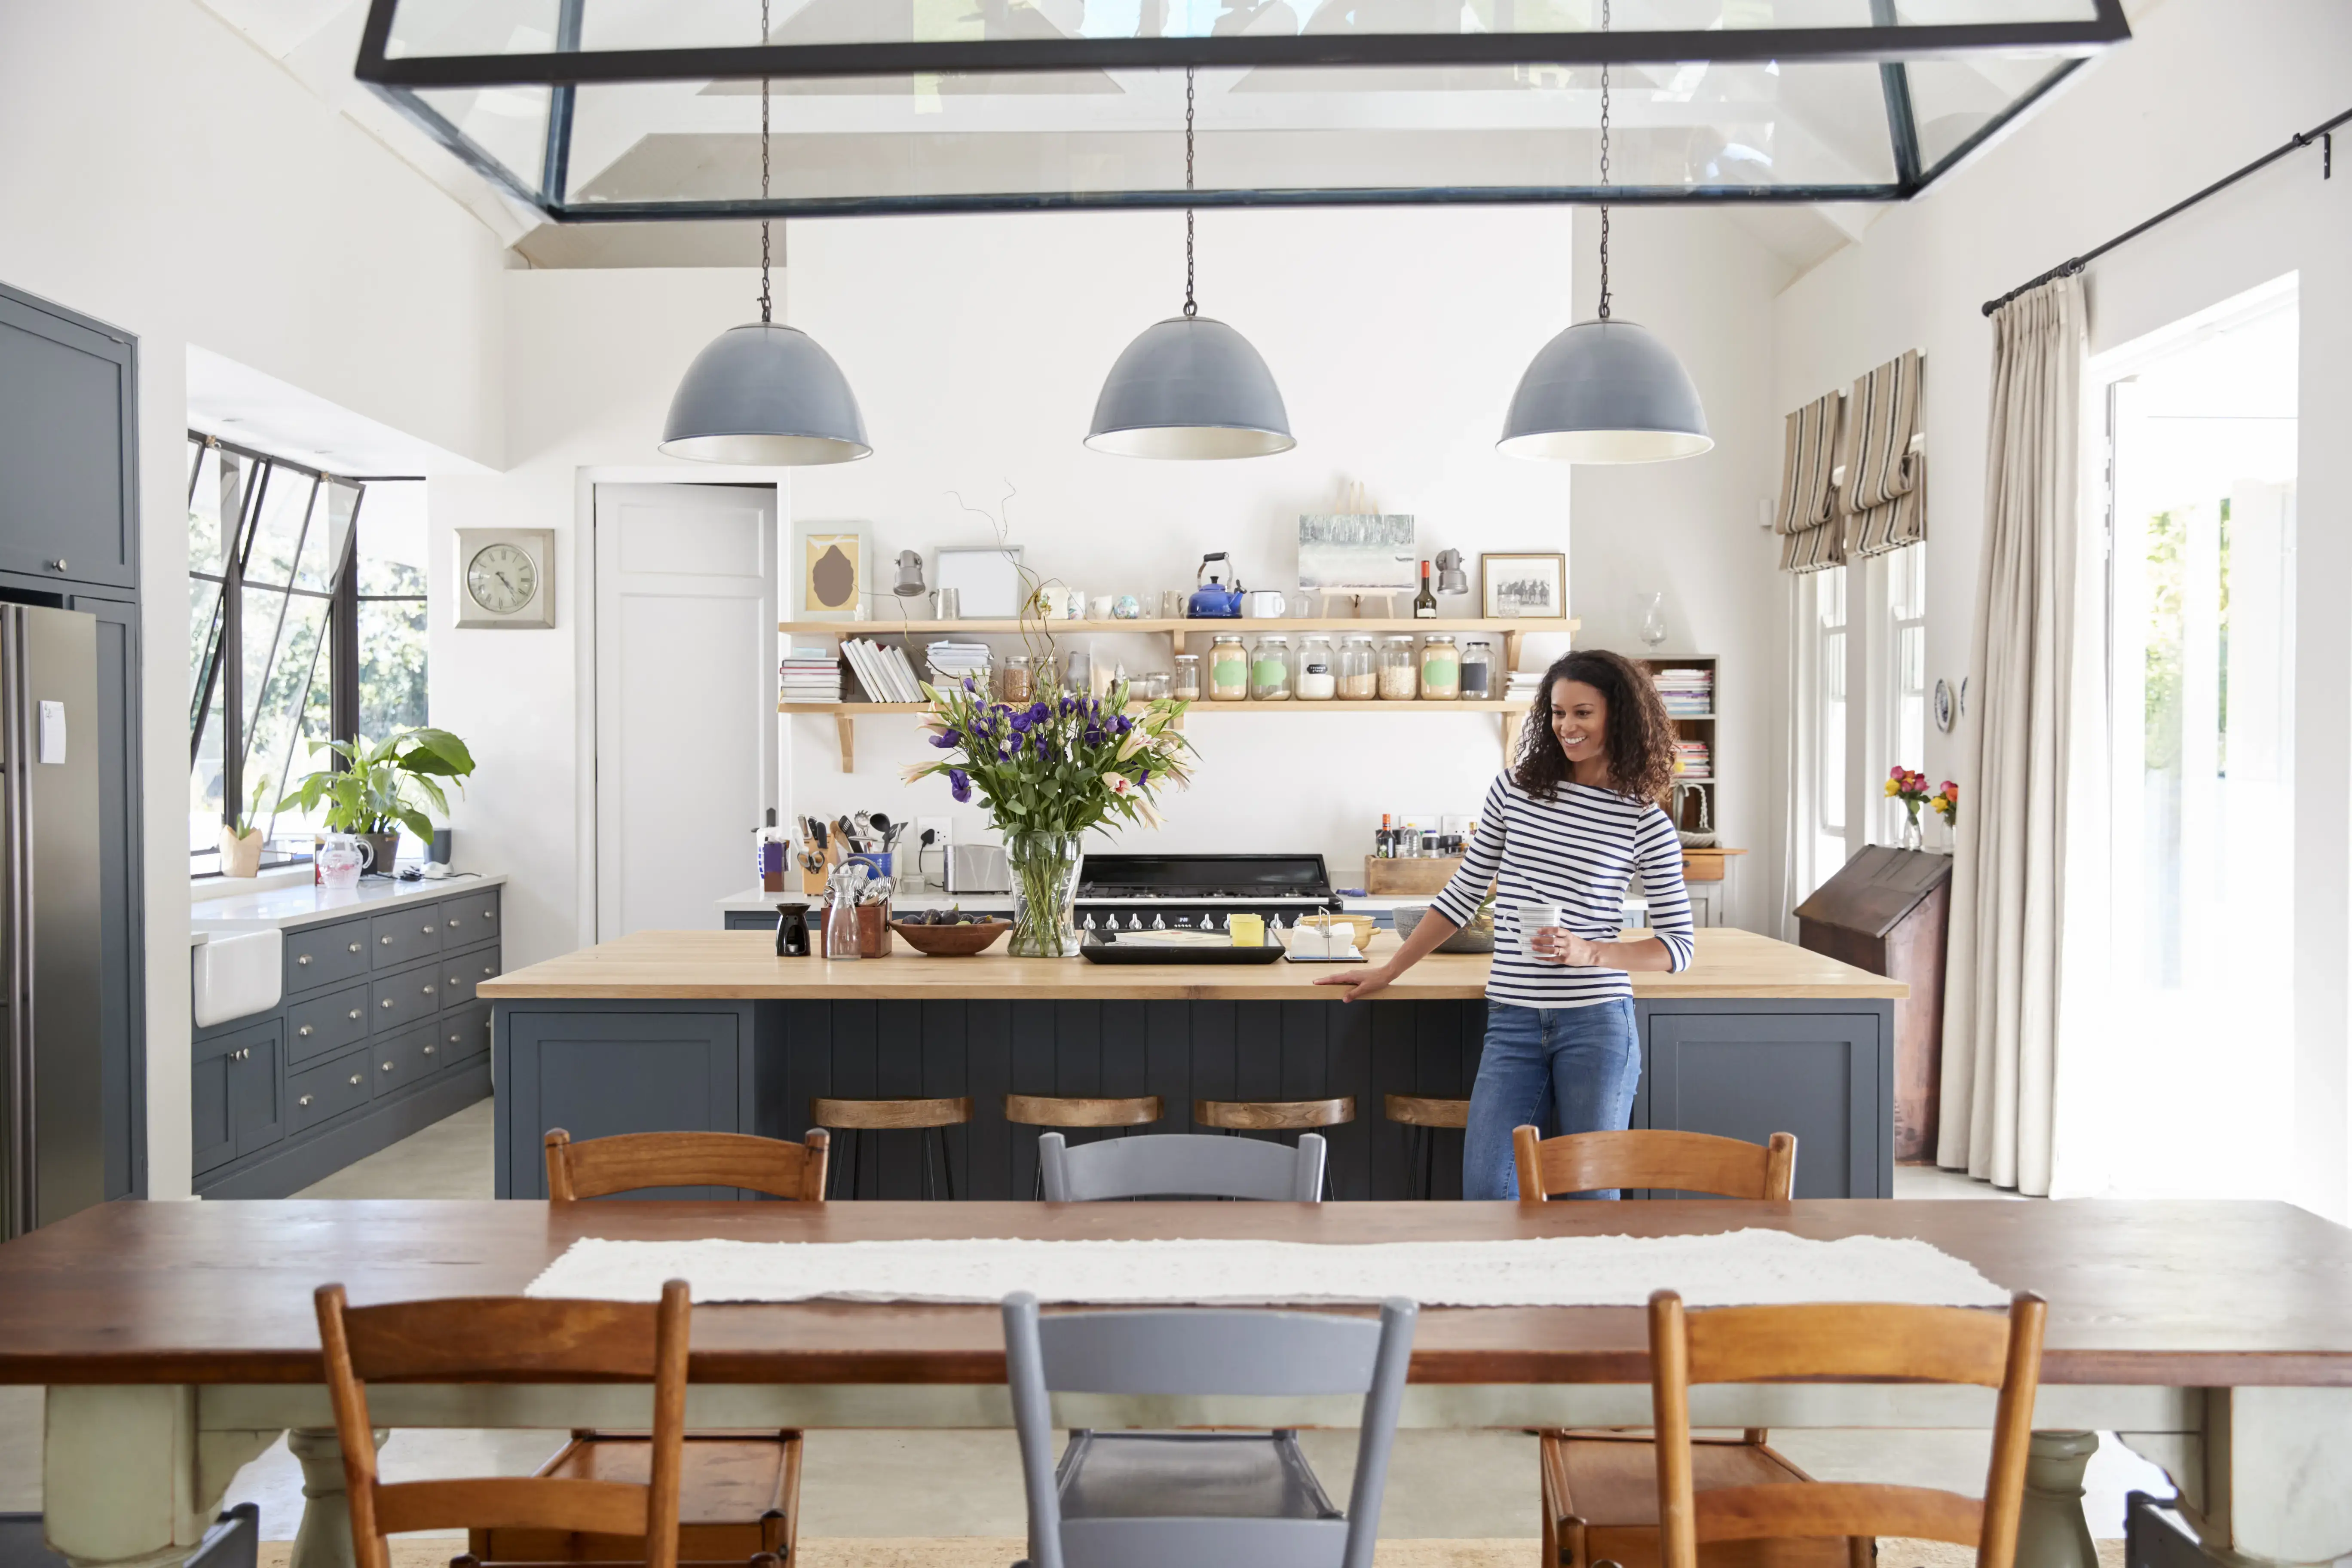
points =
(506, 577)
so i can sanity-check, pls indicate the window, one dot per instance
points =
(1829, 716)
(272, 668)
(1906, 673)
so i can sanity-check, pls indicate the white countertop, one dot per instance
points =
(302, 904)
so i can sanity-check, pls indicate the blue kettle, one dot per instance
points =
(1213, 601)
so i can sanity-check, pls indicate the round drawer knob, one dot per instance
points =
(355, 947)
(301, 958)
(453, 1040)
(386, 940)
(386, 1003)
(428, 931)
(490, 914)
(304, 1031)
(58, 565)
(428, 1050)
(355, 1081)
(388, 1067)
(429, 990)
(489, 969)
(355, 1015)
(304, 1100)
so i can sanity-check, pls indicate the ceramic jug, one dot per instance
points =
(341, 858)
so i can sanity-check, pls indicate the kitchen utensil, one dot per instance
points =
(884, 832)
(877, 891)
(951, 942)
(1264, 603)
(1212, 600)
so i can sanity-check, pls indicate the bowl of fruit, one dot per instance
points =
(950, 934)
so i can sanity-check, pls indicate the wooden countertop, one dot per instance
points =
(743, 966)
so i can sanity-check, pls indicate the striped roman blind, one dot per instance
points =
(1885, 488)
(1810, 524)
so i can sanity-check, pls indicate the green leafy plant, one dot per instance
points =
(242, 827)
(370, 793)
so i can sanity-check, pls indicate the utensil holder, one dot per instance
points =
(872, 930)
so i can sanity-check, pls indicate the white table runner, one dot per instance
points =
(1741, 1269)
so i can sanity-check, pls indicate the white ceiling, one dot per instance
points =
(239, 404)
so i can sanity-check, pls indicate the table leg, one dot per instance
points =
(127, 1481)
(324, 1540)
(2050, 1529)
(2278, 1472)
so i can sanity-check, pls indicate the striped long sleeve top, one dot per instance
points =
(1579, 852)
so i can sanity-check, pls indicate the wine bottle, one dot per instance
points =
(1385, 846)
(1424, 604)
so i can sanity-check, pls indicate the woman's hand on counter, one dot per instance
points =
(1361, 983)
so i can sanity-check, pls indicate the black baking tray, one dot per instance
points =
(1095, 950)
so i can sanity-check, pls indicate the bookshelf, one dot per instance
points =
(1699, 808)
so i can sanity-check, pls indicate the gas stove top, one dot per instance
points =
(1147, 892)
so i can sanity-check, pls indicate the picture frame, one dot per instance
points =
(1358, 552)
(829, 569)
(1522, 586)
(523, 600)
(986, 577)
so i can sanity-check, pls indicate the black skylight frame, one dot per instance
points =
(1886, 43)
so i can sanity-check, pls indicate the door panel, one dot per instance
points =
(686, 650)
(67, 387)
(122, 898)
(257, 1096)
(1820, 1076)
(213, 1140)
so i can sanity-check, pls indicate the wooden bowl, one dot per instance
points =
(951, 942)
(1471, 938)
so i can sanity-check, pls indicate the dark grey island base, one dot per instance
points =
(1819, 1067)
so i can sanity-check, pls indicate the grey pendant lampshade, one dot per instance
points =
(765, 393)
(1605, 392)
(1191, 387)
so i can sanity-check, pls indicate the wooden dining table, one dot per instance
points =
(177, 1341)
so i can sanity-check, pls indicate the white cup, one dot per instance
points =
(1534, 918)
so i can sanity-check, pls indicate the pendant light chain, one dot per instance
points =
(767, 307)
(1605, 170)
(1191, 308)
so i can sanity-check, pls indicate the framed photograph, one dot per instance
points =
(987, 579)
(506, 577)
(1366, 552)
(828, 570)
(1533, 586)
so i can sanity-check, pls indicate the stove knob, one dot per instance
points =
(1159, 922)
(1087, 923)
(1135, 922)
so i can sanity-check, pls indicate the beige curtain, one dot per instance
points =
(2002, 996)
(1811, 528)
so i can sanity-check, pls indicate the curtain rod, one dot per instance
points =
(2319, 133)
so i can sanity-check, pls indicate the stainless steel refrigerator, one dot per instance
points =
(52, 1134)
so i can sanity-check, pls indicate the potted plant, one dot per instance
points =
(240, 837)
(1047, 771)
(369, 794)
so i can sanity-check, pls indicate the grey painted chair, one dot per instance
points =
(1180, 1165)
(1181, 1500)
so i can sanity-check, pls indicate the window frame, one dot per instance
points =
(1887, 667)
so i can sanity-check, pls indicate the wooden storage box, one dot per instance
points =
(1388, 879)
(1887, 911)
(874, 938)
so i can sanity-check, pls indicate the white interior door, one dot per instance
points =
(686, 705)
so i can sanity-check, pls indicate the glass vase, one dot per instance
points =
(1044, 867)
(1912, 839)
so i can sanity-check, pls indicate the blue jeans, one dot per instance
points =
(1579, 1063)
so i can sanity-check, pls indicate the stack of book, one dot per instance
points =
(810, 675)
(1525, 684)
(884, 672)
(954, 660)
(1688, 693)
(1697, 758)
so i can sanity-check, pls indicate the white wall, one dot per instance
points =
(2203, 87)
(160, 175)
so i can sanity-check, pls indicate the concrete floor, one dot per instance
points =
(1442, 1484)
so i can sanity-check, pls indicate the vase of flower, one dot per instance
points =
(1909, 786)
(1044, 867)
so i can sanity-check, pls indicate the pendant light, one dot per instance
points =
(765, 393)
(1605, 390)
(1189, 386)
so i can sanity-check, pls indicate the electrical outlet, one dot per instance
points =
(933, 865)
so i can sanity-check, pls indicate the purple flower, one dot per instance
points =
(968, 686)
(1020, 722)
(959, 786)
(1143, 778)
(1121, 725)
(946, 738)
(1094, 735)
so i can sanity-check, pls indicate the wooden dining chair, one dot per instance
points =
(738, 1492)
(1600, 1491)
(639, 1161)
(517, 1339)
(1840, 1340)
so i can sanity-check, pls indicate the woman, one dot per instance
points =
(1565, 829)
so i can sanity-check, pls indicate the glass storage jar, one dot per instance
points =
(1399, 670)
(1229, 672)
(1360, 669)
(1012, 679)
(1318, 673)
(1477, 671)
(1440, 667)
(1187, 685)
(1270, 669)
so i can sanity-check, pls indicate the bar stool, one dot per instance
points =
(1276, 1116)
(1061, 1110)
(1422, 1118)
(852, 1117)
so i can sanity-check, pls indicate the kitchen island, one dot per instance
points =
(711, 1030)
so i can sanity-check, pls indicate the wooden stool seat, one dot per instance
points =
(1419, 1111)
(1274, 1115)
(1600, 1502)
(1051, 1111)
(935, 1116)
(1422, 1118)
(736, 1495)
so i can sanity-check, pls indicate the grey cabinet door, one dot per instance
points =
(212, 1137)
(69, 423)
(123, 899)
(1745, 1071)
(257, 1092)
(595, 1074)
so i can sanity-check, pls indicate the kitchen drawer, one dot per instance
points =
(320, 955)
(396, 1062)
(465, 1035)
(470, 919)
(461, 972)
(402, 936)
(334, 1022)
(329, 1089)
(397, 1001)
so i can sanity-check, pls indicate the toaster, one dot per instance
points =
(978, 868)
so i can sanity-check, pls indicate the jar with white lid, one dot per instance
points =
(1318, 669)
(1441, 668)
(1400, 670)
(1360, 669)
(1188, 678)
(1229, 671)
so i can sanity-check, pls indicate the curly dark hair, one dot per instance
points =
(1640, 743)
